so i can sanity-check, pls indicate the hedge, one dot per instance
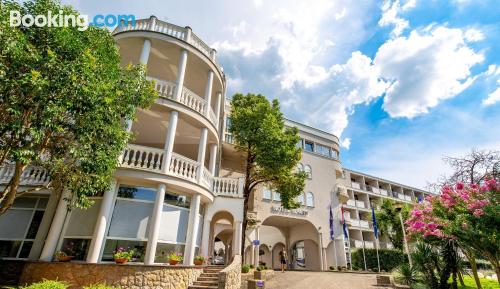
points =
(389, 259)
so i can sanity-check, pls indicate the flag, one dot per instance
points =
(344, 225)
(332, 235)
(374, 218)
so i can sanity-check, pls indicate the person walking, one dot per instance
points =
(283, 260)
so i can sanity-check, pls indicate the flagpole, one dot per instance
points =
(376, 247)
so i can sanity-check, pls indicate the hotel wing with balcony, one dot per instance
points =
(178, 186)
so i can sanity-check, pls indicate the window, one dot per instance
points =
(300, 167)
(323, 150)
(266, 193)
(334, 154)
(19, 226)
(308, 171)
(277, 197)
(228, 123)
(310, 199)
(112, 245)
(138, 193)
(177, 200)
(309, 146)
(300, 199)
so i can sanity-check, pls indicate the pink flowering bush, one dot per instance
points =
(469, 214)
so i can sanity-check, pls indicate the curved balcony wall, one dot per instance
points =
(183, 67)
(182, 168)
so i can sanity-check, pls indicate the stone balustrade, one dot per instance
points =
(188, 98)
(152, 159)
(32, 175)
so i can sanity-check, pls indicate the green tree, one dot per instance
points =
(270, 149)
(64, 99)
(389, 223)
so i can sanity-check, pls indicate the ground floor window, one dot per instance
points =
(19, 226)
(113, 244)
(165, 249)
(76, 247)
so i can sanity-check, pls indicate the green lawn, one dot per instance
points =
(470, 284)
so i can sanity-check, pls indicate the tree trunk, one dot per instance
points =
(244, 227)
(461, 279)
(473, 265)
(10, 191)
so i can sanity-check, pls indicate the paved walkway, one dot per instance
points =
(321, 280)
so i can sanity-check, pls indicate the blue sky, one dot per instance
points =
(402, 83)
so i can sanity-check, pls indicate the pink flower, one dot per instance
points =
(432, 226)
(478, 212)
(416, 213)
(459, 186)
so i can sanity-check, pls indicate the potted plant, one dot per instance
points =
(198, 260)
(67, 254)
(63, 256)
(123, 256)
(174, 258)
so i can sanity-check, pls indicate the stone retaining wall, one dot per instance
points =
(230, 277)
(124, 276)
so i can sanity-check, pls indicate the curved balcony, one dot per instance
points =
(153, 159)
(181, 33)
(188, 98)
(32, 175)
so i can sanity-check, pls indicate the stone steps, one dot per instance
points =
(209, 279)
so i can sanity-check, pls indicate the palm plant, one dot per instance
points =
(407, 275)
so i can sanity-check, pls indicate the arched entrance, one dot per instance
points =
(220, 247)
(299, 237)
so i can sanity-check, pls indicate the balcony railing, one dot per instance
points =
(166, 89)
(32, 175)
(182, 33)
(356, 185)
(152, 159)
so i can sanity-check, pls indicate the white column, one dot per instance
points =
(146, 49)
(154, 225)
(44, 227)
(192, 232)
(55, 229)
(181, 72)
(256, 248)
(102, 223)
(201, 152)
(213, 158)
(205, 239)
(169, 141)
(320, 251)
(208, 93)
(218, 108)
(237, 238)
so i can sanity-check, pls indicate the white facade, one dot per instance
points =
(179, 185)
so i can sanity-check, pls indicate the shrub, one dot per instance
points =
(47, 284)
(245, 268)
(389, 259)
(252, 266)
(332, 268)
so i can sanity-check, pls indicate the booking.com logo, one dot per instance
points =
(63, 20)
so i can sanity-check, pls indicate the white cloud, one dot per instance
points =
(345, 143)
(425, 68)
(390, 15)
(473, 35)
(493, 97)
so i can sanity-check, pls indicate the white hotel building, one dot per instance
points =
(179, 183)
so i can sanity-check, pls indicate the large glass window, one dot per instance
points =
(164, 249)
(137, 193)
(177, 200)
(300, 199)
(323, 150)
(266, 193)
(277, 197)
(113, 244)
(308, 171)
(310, 199)
(19, 226)
(309, 146)
(76, 247)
